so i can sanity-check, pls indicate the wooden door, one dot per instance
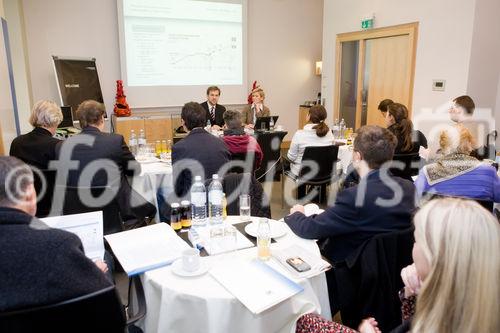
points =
(387, 74)
(377, 64)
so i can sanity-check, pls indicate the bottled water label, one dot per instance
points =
(199, 199)
(215, 197)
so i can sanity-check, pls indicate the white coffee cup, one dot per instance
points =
(191, 260)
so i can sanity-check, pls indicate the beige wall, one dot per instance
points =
(443, 50)
(15, 19)
(284, 41)
(484, 66)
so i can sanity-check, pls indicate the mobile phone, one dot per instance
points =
(298, 264)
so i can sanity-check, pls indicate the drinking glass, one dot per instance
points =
(245, 207)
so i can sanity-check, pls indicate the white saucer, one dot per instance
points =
(178, 270)
(278, 229)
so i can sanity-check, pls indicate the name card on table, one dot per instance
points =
(87, 226)
(143, 249)
(255, 284)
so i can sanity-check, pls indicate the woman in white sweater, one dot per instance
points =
(315, 133)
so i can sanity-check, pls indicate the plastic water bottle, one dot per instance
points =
(132, 142)
(198, 203)
(209, 124)
(335, 129)
(342, 128)
(271, 124)
(142, 139)
(215, 195)
(264, 239)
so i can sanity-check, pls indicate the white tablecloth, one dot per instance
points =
(153, 177)
(345, 157)
(201, 304)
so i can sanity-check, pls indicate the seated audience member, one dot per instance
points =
(315, 133)
(452, 286)
(461, 113)
(236, 140)
(108, 159)
(38, 147)
(409, 140)
(455, 173)
(380, 203)
(214, 111)
(382, 106)
(40, 265)
(199, 146)
(257, 109)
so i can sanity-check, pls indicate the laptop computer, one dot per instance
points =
(262, 123)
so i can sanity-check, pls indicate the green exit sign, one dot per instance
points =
(367, 23)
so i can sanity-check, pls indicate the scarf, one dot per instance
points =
(450, 166)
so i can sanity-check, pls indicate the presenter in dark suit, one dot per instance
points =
(104, 159)
(257, 109)
(38, 147)
(40, 265)
(381, 203)
(199, 153)
(213, 110)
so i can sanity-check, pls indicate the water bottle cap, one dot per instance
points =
(175, 205)
(197, 178)
(215, 176)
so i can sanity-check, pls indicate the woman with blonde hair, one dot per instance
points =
(456, 173)
(257, 109)
(38, 147)
(452, 286)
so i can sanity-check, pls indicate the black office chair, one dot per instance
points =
(111, 211)
(249, 160)
(44, 183)
(325, 157)
(245, 183)
(488, 151)
(100, 311)
(411, 165)
(270, 143)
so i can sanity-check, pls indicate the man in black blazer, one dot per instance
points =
(213, 110)
(103, 159)
(40, 265)
(380, 203)
(199, 153)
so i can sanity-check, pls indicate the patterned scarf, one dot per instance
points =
(450, 166)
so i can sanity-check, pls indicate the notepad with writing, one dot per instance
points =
(255, 284)
(147, 248)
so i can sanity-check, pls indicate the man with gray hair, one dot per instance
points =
(40, 265)
(237, 141)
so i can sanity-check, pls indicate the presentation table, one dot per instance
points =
(201, 304)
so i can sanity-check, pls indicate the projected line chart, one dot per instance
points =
(207, 58)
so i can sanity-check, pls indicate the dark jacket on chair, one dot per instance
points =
(219, 113)
(41, 265)
(37, 148)
(366, 284)
(347, 226)
(203, 147)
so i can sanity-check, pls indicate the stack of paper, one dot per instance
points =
(255, 284)
(318, 265)
(143, 249)
(87, 226)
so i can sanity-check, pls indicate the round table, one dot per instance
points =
(201, 304)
